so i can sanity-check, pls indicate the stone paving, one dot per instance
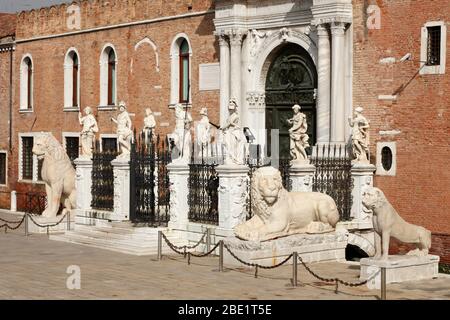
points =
(36, 268)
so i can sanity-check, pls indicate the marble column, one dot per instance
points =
(324, 84)
(302, 177)
(235, 76)
(337, 83)
(224, 77)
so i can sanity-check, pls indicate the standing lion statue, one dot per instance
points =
(387, 223)
(281, 213)
(57, 173)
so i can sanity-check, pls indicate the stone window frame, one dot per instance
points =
(438, 69)
(68, 81)
(175, 69)
(380, 170)
(6, 168)
(24, 95)
(108, 136)
(104, 82)
(35, 179)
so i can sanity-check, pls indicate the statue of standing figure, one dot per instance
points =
(90, 128)
(234, 137)
(298, 135)
(181, 138)
(360, 136)
(124, 131)
(149, 124)
(203, 133)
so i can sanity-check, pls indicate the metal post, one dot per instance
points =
(383, 283)
(221, 256)
(208, 240)
(26, 224)
(68, 221)
(294, 269)
(159, 245)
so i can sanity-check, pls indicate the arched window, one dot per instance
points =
(26, 84)
(184, 72)
(108, 77)
(180, 54)
(72, 80)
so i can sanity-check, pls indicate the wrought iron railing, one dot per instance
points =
(102, 179)
(333, 176)
(149, 180)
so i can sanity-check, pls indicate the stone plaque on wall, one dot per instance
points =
(209, 76)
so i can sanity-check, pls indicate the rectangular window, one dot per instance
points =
(109, 144)
(3, 168)
(434, 46)
(27, 158)
(73, 148)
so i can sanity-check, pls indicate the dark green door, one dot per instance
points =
(292, 79)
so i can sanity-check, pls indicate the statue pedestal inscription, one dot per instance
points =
(302, 176)
(121, 167)
(399, 268)
(232, 195)
(179, 193)
(310, 247)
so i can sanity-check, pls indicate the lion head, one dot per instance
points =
(373, 198)
(267, 189)
(46, 145)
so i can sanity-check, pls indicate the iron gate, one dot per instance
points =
(149, 180)
(102, 179)
(333, 176)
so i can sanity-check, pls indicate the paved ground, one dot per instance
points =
(35, 268)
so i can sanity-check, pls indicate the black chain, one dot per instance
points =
(255, 264)
(201, 255)
(47, 225)
(171, 246)
(190, 247)
(6, 225)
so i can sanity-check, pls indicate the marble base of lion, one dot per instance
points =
(399, 268)
(311, 247)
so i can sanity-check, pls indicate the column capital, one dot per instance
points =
(322, 30)
(223, 37)
(236, 36)
(338, 28)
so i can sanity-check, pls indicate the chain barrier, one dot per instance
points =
(7, 223)
(189, 247)
(47, 225)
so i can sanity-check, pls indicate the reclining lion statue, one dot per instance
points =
(57, 173)
(281, 213)
(387, 223)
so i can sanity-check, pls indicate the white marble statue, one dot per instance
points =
(235, 143)
(203, 134)
(149, 124)
(57, 173)
(360, 136)
(90, 128)
(298, 135)
(281, 213)
(124, 131)
(181, 137)
(387, 223)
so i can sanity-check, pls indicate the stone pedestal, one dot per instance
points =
(399, 269)
(121, 167)
(302, 176)
(13, 206)
(83, 183)
(362, 175)
(179, 192)
(310, 247)
(233, 192)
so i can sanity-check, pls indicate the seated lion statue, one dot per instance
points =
(279, 213)
(387, 223)
(57, 173)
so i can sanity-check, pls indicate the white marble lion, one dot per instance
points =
(279, 213)
(387, 223)
(57, 173)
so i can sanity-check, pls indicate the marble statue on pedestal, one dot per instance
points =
(387, 223)
(203, 133)
(90, 128)
(360, 136)
(149, 123)
(57, 173)
(235, 143)
(124, 131)
(279, 213)
(181, 138)
(299, 136)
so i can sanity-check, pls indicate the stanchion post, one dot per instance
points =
(383, 283)
(221, 256)
(26, 224)
(68, 221)
(208, 239)
(294, 269)
(159, 245)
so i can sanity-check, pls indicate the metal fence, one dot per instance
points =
(102, 179)
(149, 180)
(333, 176)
